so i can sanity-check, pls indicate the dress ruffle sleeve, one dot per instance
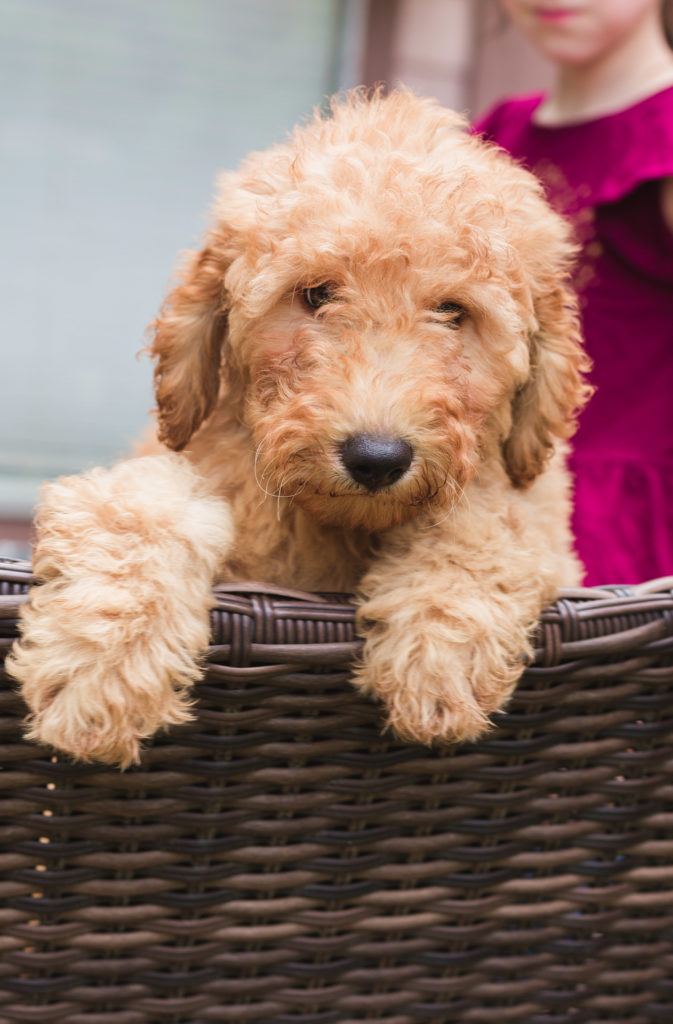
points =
(607, 157)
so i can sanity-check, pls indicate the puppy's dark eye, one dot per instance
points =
(451, 313)
(319, 295)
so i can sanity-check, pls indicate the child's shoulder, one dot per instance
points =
(606, 157)
(626, 148)
(513, 112)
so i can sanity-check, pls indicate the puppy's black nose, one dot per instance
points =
(376, 462)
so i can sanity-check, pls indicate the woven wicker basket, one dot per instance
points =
(281, 861)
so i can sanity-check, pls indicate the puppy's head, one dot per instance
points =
(385, 299)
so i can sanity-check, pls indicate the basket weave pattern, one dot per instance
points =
(281, 861)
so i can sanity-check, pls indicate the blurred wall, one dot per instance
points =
(427, 45)
(463, 52)
(503, 60)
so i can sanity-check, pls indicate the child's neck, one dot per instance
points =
(641, 66)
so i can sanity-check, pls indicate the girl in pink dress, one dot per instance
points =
(602, 143)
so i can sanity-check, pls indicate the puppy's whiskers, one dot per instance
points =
(259, 480)
(279, 492)
(459, 492)
(451, 508)
(437, 522)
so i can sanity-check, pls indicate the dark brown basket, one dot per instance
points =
(281, 861)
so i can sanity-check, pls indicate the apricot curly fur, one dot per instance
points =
(447, 324)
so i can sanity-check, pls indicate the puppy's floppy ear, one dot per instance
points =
(187, 339)
(545, 408)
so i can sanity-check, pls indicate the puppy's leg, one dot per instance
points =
(111, 639)
(447, 628)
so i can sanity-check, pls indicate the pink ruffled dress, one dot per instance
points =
(606, 174)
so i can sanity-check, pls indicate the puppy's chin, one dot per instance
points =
(358, 511)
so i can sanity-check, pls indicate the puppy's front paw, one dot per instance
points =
(106, 723)
(436, 679)
(111, 639)
(99, 677)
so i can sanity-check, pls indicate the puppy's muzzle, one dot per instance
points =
(376, 462)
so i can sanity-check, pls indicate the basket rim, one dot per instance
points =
(258, 626)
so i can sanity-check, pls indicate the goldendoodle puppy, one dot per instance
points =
(363, 378)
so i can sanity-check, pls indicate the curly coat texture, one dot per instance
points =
(443, 321)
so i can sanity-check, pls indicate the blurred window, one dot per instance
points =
(116, 117)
